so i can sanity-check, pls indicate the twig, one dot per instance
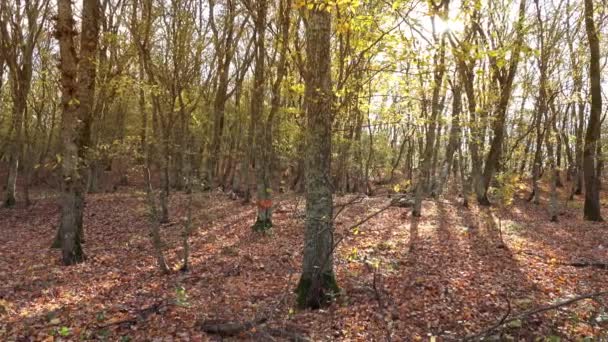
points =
(538, 310)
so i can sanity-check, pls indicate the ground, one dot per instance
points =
(450, 274)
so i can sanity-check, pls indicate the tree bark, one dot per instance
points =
(317, 283)
(592, 136)
(78, 90)
(264, 202)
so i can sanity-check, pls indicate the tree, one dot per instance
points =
(317, 283)
(78, 91)
(263, 220)
(264, 126)
(592, 136)
(503, 75)
(426, 174)
(20, 28)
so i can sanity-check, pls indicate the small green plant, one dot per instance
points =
(63, 331)
(181, 297)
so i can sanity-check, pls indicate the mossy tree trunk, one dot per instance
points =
(317, 284)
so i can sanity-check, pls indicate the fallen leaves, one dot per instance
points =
(442, 275)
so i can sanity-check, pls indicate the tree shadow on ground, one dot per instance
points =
(456, 274)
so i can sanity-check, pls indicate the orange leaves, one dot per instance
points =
(433, 279)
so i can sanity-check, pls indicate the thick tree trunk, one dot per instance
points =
(592, 136)
(318, 284)
(77, 102)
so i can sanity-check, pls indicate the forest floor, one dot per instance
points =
(450, 274)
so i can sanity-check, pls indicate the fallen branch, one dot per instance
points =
(230, 328)
(598, 264)
(140, 315)
(580, 263)
(538, 310)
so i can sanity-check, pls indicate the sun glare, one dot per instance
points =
(449, 25)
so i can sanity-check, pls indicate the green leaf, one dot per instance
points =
(64, 331)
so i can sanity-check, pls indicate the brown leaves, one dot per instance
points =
(441, 275)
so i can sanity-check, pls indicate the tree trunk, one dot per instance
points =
(504, 77)
(426, 175)
(318, 284)
(454, 140)
(226, 52)
(592, 136)
(264, 202)
(77, 103)
(15, 148)
(553, 209)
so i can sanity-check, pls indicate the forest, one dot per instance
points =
(303, 170)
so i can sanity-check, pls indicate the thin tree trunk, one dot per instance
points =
(455, 137)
